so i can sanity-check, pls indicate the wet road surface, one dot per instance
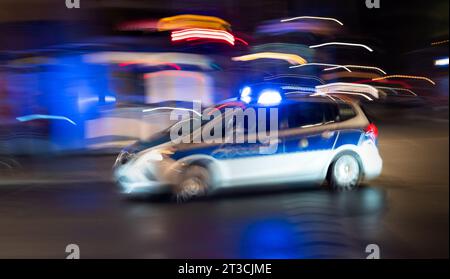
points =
(404, 212)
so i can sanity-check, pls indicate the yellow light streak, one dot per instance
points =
(291, 58)
(192, 21)
(440, 43)
(406, 77)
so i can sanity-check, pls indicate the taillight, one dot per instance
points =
(372, 131)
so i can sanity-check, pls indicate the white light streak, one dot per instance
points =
(359, 67)
(313, 17)
(441, 62)
(322, 64)
(397, 89)
(172, 108)
(342, 44)
(348, 88)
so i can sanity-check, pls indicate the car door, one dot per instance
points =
(310, 139)
(252, 162)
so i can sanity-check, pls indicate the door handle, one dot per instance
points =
(328, 134)
(271, 141)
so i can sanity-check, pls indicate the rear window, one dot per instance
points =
(369, 117)
(331, 112)
(271, 118)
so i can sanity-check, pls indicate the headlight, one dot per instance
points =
(123, 158)
(160, 154)
(155, 156)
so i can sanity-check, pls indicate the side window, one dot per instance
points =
(346, 112)
(305, 114)
(272, 118)
(251, 123)
(331, 112)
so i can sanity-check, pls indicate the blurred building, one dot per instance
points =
(73, 79)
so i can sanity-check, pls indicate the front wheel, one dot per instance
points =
(194, 184)
(345, 173)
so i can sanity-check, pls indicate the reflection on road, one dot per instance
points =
(294, 224)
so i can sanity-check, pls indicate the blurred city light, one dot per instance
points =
(358, 67)
(342, 44)
(291, 58)
(198, 33)
(441, 62)
(188, 21)
(405, 77)
(312, 17)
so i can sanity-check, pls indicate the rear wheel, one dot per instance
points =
(194, 184)
(345, 173)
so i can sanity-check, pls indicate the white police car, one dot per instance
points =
(317, 139)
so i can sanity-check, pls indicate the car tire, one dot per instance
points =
(194, 184)
(345, 172)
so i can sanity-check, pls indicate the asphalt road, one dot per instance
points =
(405, 212)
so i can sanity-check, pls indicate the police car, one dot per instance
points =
(318, 139)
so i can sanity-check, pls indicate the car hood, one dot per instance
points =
(155, 140)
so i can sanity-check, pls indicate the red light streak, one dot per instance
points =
(230, 104)
(176, 74)
(241, 40)
(199, 33)
(141, 25)
(398, 82)
(173, 65)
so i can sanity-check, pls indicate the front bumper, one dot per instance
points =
(131, 179)
(149, 187)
